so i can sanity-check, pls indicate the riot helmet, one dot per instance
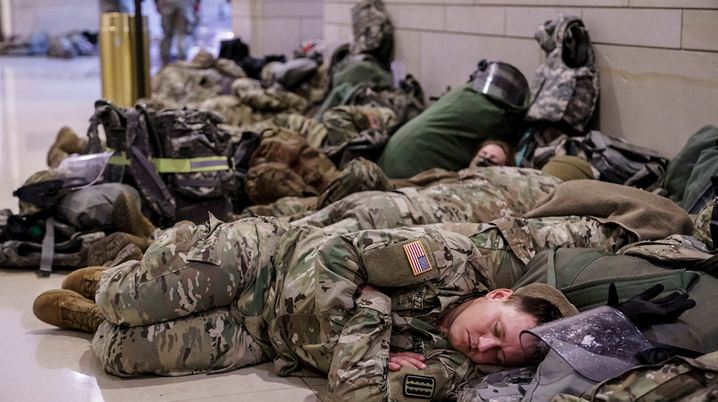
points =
(503, 83)
(599, 343)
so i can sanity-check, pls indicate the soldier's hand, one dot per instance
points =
(644, 309)
(406, 359)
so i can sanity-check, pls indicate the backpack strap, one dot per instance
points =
(48, 248)
(149, 182)
(551, 267)
(714, 213)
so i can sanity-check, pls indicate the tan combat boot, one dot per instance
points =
(117, 248)
(66, 143)
(68, 310)
(84, 281)
(129, 219)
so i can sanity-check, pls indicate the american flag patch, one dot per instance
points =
(418, 260)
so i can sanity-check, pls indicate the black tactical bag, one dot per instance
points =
(177, 159)
(623, 163)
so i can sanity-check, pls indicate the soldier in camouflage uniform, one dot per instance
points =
(244, 292)
(521, 185)
(313, 131)
(190, 83)
(255, 289)
(479, 195)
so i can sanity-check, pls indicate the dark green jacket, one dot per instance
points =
(447, 134)
(688, 175)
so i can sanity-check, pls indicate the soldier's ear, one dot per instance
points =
(499, 294)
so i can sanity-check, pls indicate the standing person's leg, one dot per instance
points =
(167, 11)
(184, 20)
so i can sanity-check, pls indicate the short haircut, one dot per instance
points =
(538, 308)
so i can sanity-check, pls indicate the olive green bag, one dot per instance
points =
(584, 275)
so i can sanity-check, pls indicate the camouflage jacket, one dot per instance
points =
(676, 379)
(300, 293)
(320, 316)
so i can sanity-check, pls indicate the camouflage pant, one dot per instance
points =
(174, 312)
(177, 19)
(193, 303)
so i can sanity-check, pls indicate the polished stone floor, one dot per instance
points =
(40, 363)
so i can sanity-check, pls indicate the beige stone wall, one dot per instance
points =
(277, 26)
(658, 59)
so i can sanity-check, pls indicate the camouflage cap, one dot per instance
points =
(551, 295)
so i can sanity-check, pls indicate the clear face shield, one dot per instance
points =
(503, 83)
(599, 343)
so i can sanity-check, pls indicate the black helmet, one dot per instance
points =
(503, 83)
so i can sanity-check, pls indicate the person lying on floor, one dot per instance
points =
(373, 310)
(475, 194)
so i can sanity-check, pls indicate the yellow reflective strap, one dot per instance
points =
(119, 159)
(191, 165)
(185, 165)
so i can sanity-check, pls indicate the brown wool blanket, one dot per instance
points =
(648, 215)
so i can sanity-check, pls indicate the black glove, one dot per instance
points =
(644, 311)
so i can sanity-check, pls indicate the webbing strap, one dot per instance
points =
(48, 248)
(551, 267)
(714, 214)
(185, 165)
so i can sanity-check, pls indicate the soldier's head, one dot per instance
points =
(493, 153)
(488, 330)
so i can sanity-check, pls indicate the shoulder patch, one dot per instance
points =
(419, 386)
(418, 260)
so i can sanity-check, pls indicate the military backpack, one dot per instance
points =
(565, 88)
(176, 158)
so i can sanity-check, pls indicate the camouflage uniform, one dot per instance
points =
(677, 379)
(345, 122)
(286, 208)
(267, 102)
(187, 84)
(224, 295)
(701, 226)
(177, 21)
(371, 27)
(359, 175)
(285, 165)
(313, 131)
(230, 108)
(479, 195)
(562, 94)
